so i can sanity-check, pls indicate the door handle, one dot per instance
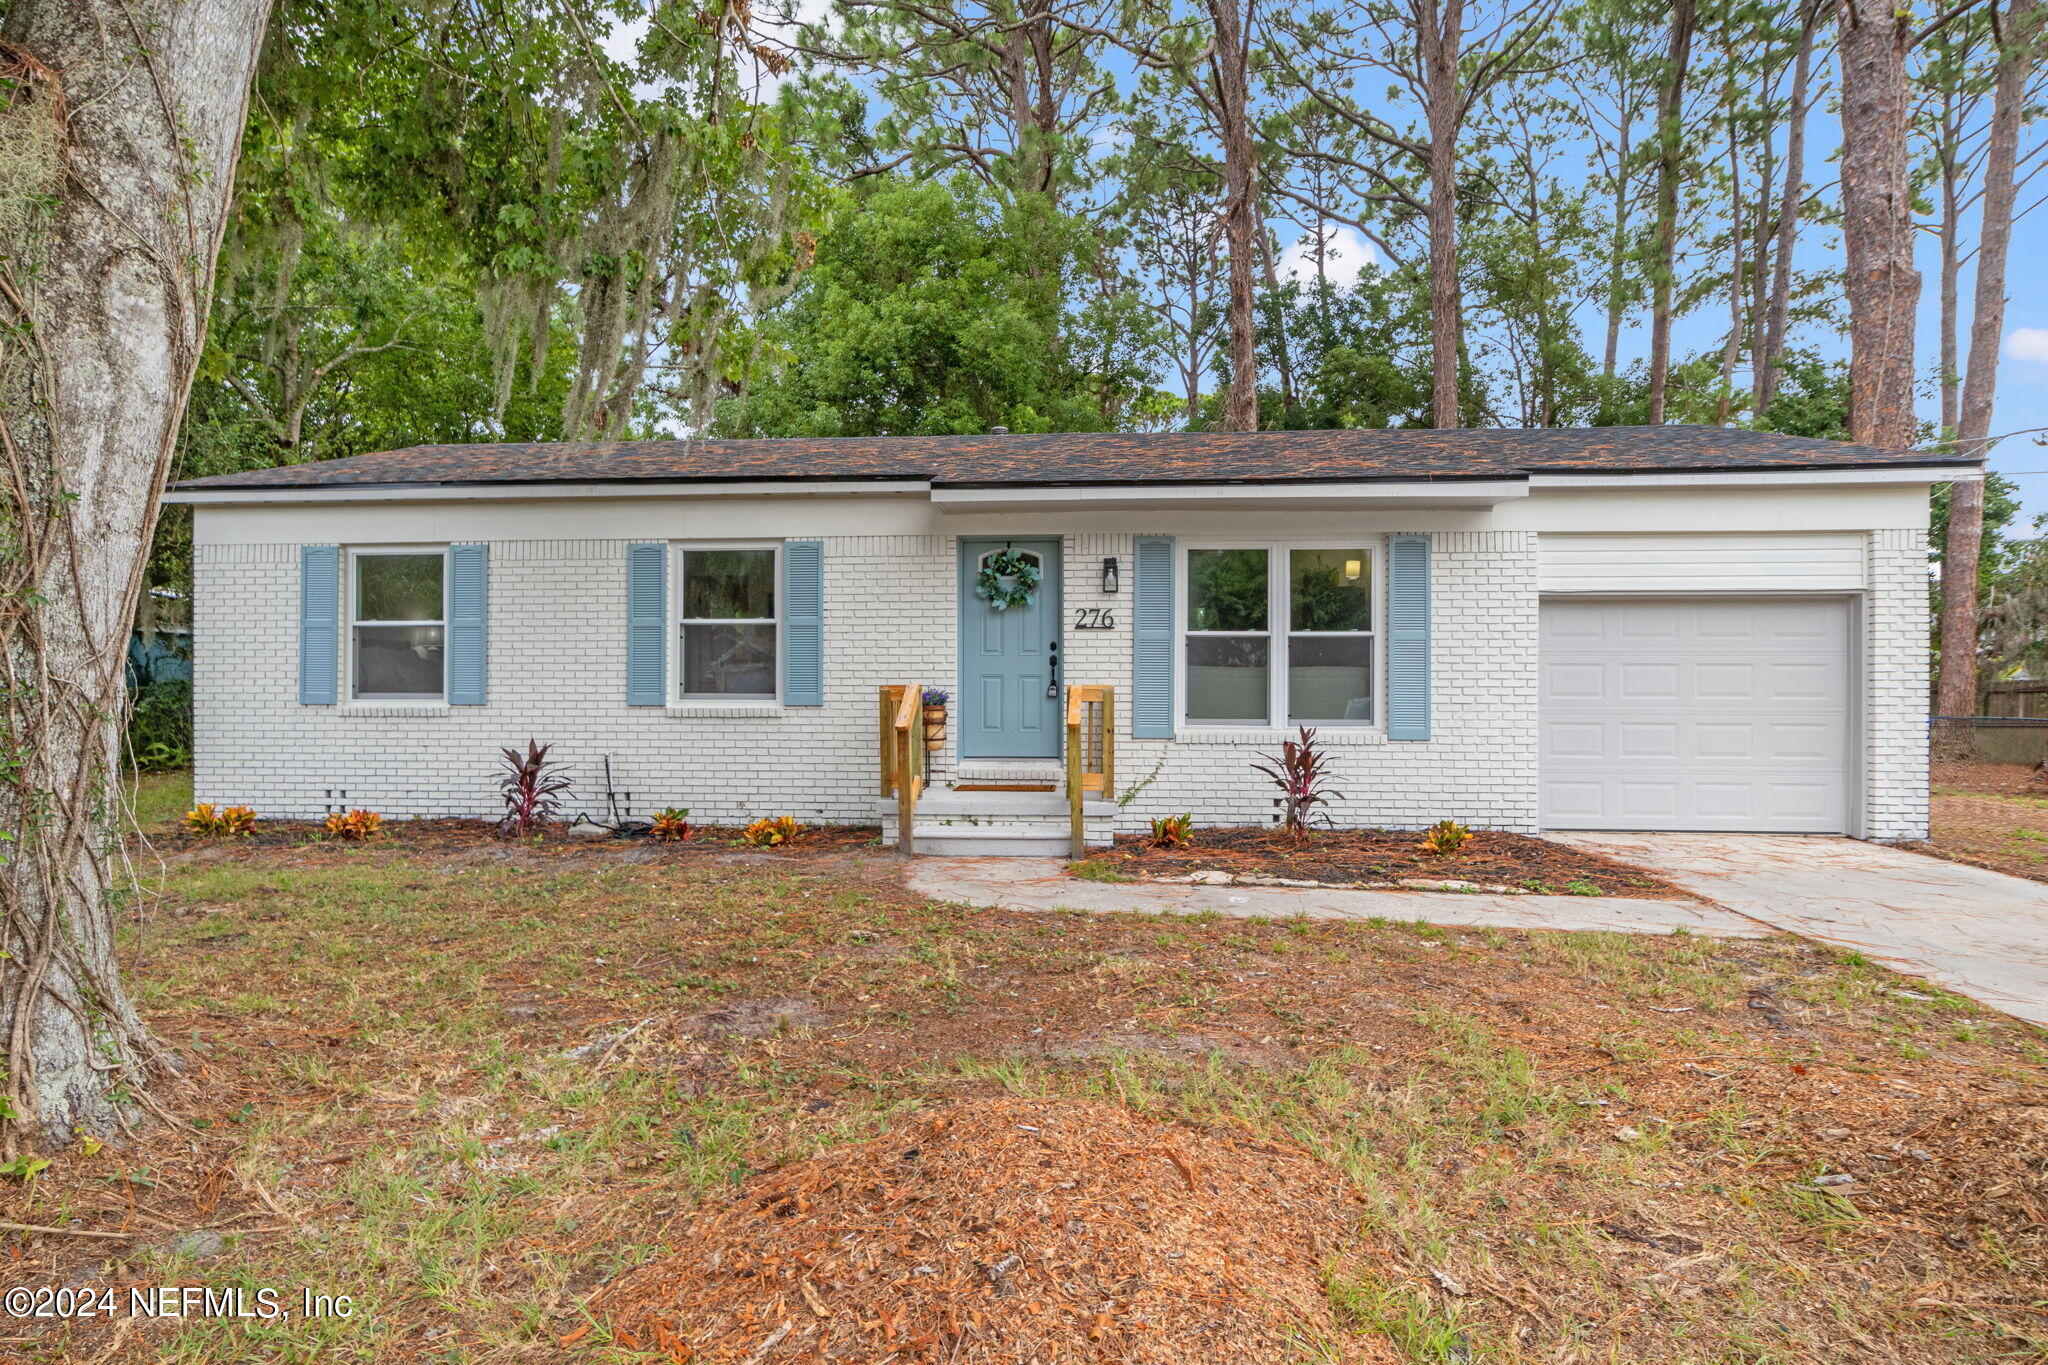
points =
(1052, 663)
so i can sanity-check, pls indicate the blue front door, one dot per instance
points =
(1010, 669)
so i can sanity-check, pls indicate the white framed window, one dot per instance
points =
(1279, 633)
(728, 622)
(398, 623)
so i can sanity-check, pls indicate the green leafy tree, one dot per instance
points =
(934, 309)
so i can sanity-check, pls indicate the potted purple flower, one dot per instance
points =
(935, 699)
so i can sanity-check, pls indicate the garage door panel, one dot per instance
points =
(1729, 682)
(1647, 740)
(1574, 800)
(1695, 714)
(1646, 682)
(1654, 800)
(1585, 681)
(1575, 739)
(1725, 740)
(1724, 800)
(1803, 682)
(1646, 624)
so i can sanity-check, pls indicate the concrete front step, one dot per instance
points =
(997, 824)
(1018, 770)
(987, 841)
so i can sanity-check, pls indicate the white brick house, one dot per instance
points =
(1666, 628)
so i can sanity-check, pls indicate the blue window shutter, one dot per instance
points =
(1152, 639)
(803, 623)
(319, 624)
(468, 592)
(646, 624)
(1408, 637)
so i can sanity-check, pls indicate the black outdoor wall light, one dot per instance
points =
(1109, 574)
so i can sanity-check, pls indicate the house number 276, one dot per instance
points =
(1094, 618)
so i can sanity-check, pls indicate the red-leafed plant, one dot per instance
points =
(1302, 773)
(532, 788)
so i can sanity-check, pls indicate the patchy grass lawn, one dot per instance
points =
(1992, 815)
(470, 1088)
(159, 800)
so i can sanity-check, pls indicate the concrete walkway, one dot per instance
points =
(1979, 933)
(1043, 884)
(1982, 934)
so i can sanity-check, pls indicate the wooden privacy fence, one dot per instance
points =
(2016, 700)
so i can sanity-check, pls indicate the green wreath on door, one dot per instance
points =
(1015, 566)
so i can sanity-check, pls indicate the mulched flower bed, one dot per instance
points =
(446, 835)
(1490, 860)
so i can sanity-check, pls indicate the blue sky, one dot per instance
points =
(2022, 397)
(2023, 372)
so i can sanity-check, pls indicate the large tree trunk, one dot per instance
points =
(1230, 59)
(1789, 205)
(1956, 690)
(1670, 147)
(1442, 35)
(1877, 221)
(141, 105)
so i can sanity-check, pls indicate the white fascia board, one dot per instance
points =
(1761, 478)
(1416, 493)
(545, 492)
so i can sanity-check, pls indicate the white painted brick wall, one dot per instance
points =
(557, 670)
(1895, 629)
(557, 674)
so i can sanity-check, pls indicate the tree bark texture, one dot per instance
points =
(1441, 34)
(103, 304)
(1230, 73)
(1670, 152)
(1956, 689)
(1883, 285)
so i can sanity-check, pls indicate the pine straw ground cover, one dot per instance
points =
(472, 1093)
(1991, 815)
(1371, 857)
(1013, 1229)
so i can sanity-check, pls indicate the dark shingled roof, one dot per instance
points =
(1093, 458)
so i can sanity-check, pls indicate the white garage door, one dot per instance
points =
(1702, 713)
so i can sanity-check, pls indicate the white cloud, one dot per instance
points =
(621, 42)
(1345, 253)
(2027, 343)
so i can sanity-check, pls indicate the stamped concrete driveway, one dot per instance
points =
(1982, 934)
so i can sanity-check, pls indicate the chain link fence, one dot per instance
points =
(1988, 739)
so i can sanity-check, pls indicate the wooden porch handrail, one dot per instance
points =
(1091, 756)
(901, 708)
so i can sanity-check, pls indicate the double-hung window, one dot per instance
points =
(398, 632)
(1280, 634)
(730, 627)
